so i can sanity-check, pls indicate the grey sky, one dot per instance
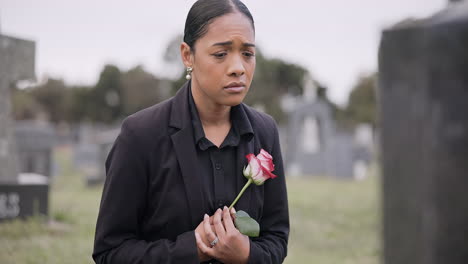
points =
(334, 40)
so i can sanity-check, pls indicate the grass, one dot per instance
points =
(332, 222)
(67, 236)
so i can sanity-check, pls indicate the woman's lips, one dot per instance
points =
(234, 89)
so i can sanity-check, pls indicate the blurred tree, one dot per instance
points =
(81, 104)
(53, 98)
(362, 101)
(171, 56)
(274, 78)
(25, 106)
(140, 89)
(116, 95)
(106, 97)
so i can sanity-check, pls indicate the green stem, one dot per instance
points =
(240, 194)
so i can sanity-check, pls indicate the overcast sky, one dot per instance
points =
(334, 40)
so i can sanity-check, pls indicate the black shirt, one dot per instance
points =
(218, 164)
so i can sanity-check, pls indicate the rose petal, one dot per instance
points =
(247, 172)
(255, 166)
(266, 154)
(268, 174)
(266, 160)
(249, 157)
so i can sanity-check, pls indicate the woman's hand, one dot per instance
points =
(200, 230)
(232, 246)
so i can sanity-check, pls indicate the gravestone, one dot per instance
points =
(17, 63)
(90, 152)
(35, 141)
(423, 100)
(313, 143)
(30, 196)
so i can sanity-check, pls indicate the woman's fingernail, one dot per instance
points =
(205, 216)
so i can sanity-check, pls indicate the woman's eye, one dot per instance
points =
(249, 54)
(220, 55)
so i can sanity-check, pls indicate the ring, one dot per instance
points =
(214, 242)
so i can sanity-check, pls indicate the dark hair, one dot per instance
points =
(202, 14)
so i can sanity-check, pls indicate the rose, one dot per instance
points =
(258, 170)
(260, 167)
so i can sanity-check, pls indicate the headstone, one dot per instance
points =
(423, 95)
(105, 141)
(314, 146)
(91, 151)
(29, 195)
(35, 141)
(17, 63)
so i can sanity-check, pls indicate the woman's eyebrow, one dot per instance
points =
(227, 43)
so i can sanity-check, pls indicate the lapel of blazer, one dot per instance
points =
(186, 153)
(243, 149)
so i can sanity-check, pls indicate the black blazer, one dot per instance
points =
(152, 199)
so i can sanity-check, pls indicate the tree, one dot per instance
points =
(172, 56)
(24, 105)
(53, 98)
(140, 89)
(274, 78)
(362, 101)
(106, 99)
(82, 105)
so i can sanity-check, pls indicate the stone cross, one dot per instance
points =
(17, 59)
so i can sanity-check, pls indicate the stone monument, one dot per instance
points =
(423, 100)
(25, 198)
(315, 146)
(16, 63)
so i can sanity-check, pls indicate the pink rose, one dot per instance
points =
(259, 168)
(267, 163)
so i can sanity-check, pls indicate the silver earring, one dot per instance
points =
(189, 73)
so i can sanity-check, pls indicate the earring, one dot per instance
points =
(189, 73)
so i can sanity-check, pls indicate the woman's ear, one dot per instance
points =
(186, 54)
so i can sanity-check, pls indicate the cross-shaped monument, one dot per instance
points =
(18, 198)
(17, 58)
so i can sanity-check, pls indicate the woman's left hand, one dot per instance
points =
(232, 246)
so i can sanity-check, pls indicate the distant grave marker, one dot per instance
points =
(17, 63)
(19, 196)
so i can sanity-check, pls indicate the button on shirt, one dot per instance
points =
(218, 165)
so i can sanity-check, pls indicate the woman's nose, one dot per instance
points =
(236, 66)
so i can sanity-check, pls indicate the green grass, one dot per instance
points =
(334, 221)
(67, 236)
(331, 222)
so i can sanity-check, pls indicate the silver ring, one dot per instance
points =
(214, 242)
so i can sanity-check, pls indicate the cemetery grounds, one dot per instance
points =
(332, 221)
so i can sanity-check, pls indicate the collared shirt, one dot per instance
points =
(218, 164)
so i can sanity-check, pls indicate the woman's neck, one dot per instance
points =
(210, 113)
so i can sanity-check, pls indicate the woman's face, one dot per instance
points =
(224, 60)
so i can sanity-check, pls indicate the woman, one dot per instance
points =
(176, 165)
